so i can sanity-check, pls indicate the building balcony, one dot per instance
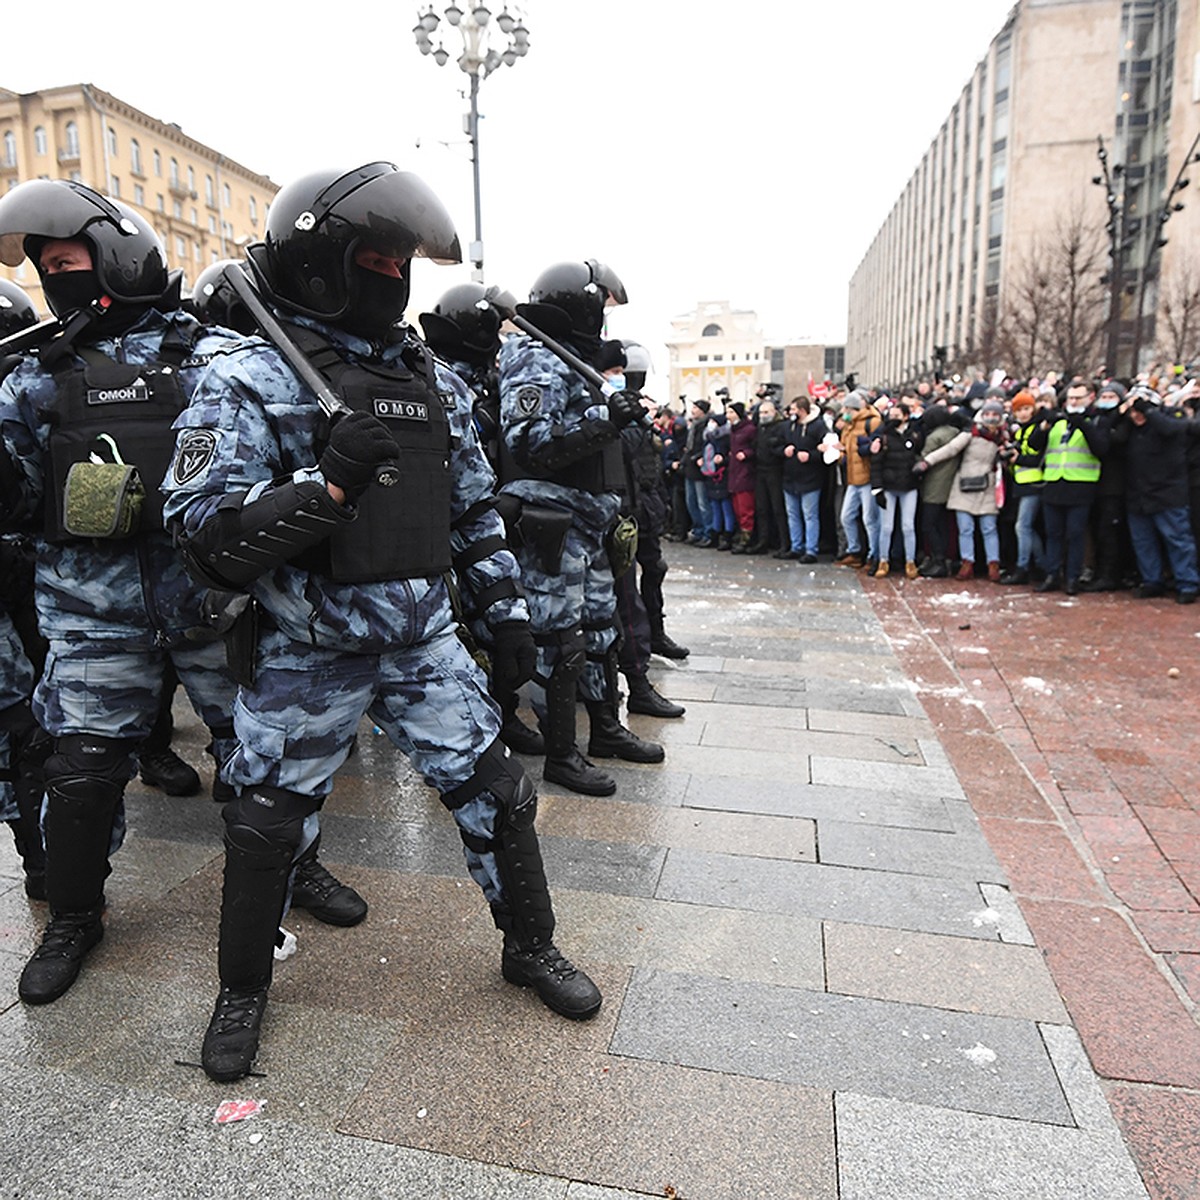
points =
(178, 188)
(69, 155)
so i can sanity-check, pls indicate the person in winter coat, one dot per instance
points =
(714, 464)
(939, 425)
(770, 520)
(1155, 442)
(1072, 441)
(895, 451)
(859, 421)
(742, 476)
(973, 492)
(1025, 478)
(803, 477)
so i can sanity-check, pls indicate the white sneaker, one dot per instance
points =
(285, 944)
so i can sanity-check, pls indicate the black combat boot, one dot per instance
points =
(252, 896)
(165, 770)
(78, 826)
(643, 698)
(316, 890)
(515, 734)
(661, 643)
(526, 917)
(610, 739)
(564, 764)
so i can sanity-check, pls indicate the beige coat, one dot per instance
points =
(976, 456)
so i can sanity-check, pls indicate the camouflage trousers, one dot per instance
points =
(16, 685)
(294, 726)
(579, 594)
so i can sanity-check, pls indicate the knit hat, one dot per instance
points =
(702, 405)
(1117, 389)
(1023, 399)
(612, 354)
(991, 408)
(739, 408)
(854, 401)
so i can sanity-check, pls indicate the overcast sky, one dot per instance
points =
(744, 152)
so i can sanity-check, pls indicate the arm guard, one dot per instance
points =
(563, 448)
(242, 542)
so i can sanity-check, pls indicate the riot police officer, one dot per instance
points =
(346, 555)
(86, 429)
(23, 745)
(464, 330)
(563, 463)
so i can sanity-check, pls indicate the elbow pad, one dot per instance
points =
(242, 542)
(582, 442)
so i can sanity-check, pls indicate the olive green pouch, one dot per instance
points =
(622, 546)
(102, 499)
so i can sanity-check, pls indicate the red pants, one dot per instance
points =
(743, 510)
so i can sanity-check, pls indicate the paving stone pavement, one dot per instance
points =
(853, 937)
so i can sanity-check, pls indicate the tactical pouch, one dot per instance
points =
(621, 545)
(102, 500)
(241, 644)
(544, 531)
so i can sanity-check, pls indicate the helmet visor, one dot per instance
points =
(394, 213)
(49, 208)
(607, 278)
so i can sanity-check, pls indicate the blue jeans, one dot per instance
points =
(904, 503)
(804, 520)
(1066, 531)
(1173, 525)
(859, 500)
(696, 495)
(721, 515)
(966, 535)
(1030, 551)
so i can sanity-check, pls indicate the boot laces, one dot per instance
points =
(550, 957)
(236, 1010)
(315, 878)
(61, 938)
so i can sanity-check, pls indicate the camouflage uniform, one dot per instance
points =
(112, 611)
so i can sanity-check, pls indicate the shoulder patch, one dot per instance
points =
(528, 400)
(193, 454)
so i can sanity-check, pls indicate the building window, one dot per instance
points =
(71, 134)
(718, 358)
(212, 223)
(135, 156)
(210, 191)
(197, 254)
(76, 177)
(191, 179)
(161, 206)
(139, 195)
(112, 141)
(177, 209)
(702, 357)
(158, 164)
(114, 187)
(227, 196)
(10, 148)
(180, 248)
(175, 174)
(711, 331)
(253, 210)
(195, 217)
(776, 361)
(39, 140)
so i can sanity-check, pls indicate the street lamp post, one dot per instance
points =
(487, 45)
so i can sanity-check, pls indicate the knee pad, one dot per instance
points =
(273, 814)
(84, 755)
(500, 775)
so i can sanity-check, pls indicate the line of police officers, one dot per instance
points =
(312, 555)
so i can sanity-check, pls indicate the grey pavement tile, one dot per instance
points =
(820, 803)
(918, 1152)
(780, 717)
(757, 947)
(611, 819)
(764, 739)
(1003, 910)
(623, 868)
(839, 721)
(982, 1064)
(93, 1140)
(928, 781)
(937, 971)
(963, 855)
(916, 902)
(865, 698)
(602, 1119)
(656, 784)
(153, 814)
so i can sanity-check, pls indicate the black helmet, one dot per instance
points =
(581, 291)
(214, 301)
(16, 309)
(464, 324)
(127, 256)
(315, 226)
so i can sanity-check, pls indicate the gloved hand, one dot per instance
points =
(514, 656)
(358, 444)
(624, 408)
(920, 467)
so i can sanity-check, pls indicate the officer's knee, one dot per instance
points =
(274, 815)
(84, 755)
(500, 776)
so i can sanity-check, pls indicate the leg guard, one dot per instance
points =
(85, 779)
(263, 828)
(560, 694)
(31, 747)
(511, 855)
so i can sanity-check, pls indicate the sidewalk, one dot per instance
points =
(861, 936)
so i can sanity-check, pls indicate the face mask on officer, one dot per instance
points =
(378, 293)
(68, 276)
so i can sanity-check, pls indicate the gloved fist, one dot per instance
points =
(514, 656)
(358, 444)
(920, 467)
(624, 408)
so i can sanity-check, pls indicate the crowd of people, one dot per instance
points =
(1073, 484)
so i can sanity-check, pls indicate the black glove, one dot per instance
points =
(624, 408)
(358, 444)
(514, 656)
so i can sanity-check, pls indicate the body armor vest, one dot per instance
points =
(403, 531)
(101, 403)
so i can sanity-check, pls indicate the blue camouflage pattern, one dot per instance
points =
(581, 593)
